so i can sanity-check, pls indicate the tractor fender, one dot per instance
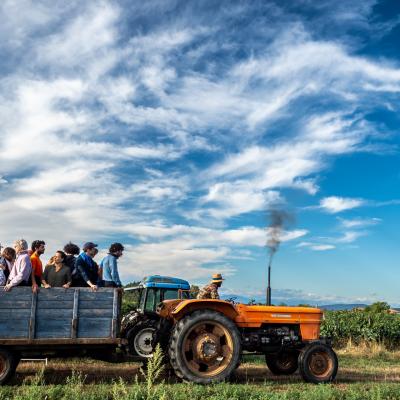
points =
(188, 306)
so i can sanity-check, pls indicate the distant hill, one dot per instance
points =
(340, 307)
(293, 302)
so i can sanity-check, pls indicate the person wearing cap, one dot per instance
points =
(86, 268)
(210, 291)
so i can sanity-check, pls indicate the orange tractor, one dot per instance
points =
(205, 339)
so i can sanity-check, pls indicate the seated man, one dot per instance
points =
(20, 274)
(210, 291)
(86, 268)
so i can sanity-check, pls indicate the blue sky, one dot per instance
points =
(174, 126)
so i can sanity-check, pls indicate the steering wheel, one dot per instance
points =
(232, 299)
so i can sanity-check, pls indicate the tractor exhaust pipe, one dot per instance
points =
(268, 300)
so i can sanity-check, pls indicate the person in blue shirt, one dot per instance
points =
(109, 266)
(87, 271)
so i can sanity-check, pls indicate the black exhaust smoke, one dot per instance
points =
(279, 220)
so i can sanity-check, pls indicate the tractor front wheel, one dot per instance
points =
(283, 363)
(204, 347)
(318, 363)
(140, 338)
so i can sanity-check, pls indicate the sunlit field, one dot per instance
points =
(365, 372)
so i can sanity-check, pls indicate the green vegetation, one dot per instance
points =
(119, 390)
(374, 324)
(365, 373)
(130, 299)
(379, 306)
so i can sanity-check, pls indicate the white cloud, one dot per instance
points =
(20, 19)
(335, 204)
(238, 198)
(97, 120)
(322, 247)
(173, 257)
(359, 222)
(316, 246)
(85, 37)
(191, 252)
(200, 236)
(288, 164)
(351, 236)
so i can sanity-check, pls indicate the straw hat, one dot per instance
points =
(217, 278)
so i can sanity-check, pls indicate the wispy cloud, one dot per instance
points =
(316, 246)
(171, 134)
(359, 222)
(190, 251)
(351, 236)
(335, 204)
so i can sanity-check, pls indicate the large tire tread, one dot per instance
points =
(304, 369)
(181, 371)
(274, 366)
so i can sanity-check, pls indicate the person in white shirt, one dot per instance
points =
(20, 274)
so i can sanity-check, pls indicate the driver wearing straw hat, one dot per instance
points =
(210, 291)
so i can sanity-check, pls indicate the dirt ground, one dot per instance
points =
(351, 370)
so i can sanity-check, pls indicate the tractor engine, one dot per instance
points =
(269, 338)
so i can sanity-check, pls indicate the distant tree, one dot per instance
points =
(194, 291)
(304, 305)
(282, 304)
(252, 302)
(132, 284)
(130, 299)
(378, 307)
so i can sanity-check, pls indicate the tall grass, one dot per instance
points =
(155, 366)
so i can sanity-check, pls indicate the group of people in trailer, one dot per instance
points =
(70, 267)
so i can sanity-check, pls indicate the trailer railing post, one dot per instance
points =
(32, 319)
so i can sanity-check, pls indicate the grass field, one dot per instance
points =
(363, 374)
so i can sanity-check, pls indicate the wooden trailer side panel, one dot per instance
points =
(58, 313)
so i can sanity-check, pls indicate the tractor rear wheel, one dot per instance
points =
(204, 347)
(283, 363)
(318, 363)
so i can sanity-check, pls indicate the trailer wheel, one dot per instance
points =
(8, 365)
(204, 347)
(318, 363)
(283, 363)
